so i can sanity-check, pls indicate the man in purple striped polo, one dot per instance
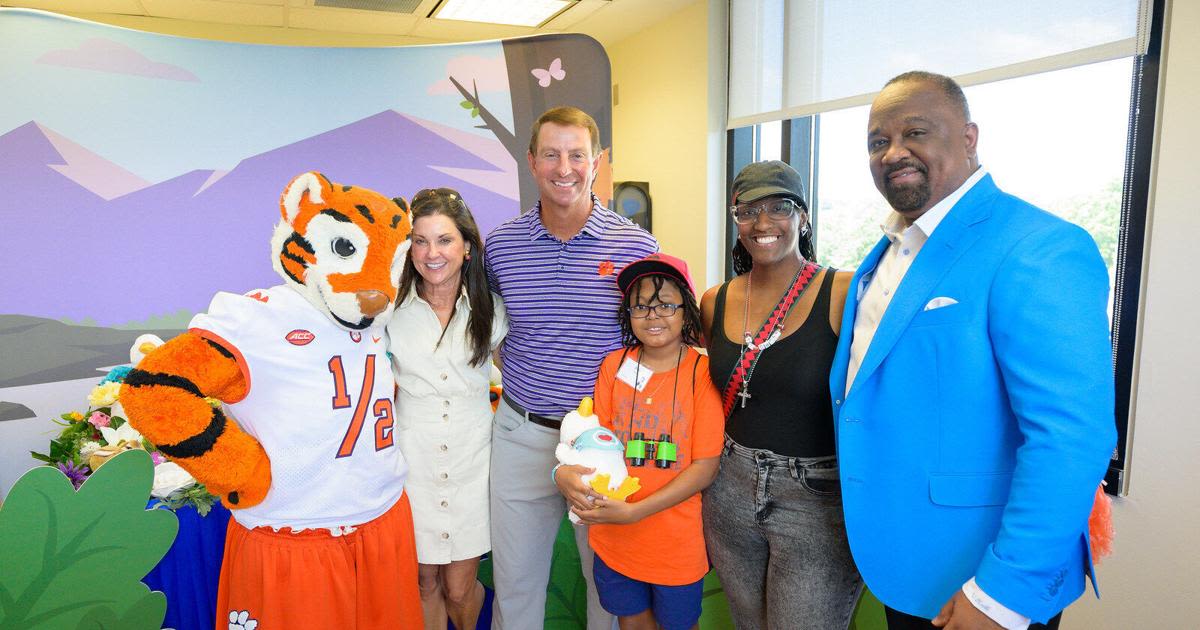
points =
(556, 268)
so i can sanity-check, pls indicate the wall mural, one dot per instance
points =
(141, 173)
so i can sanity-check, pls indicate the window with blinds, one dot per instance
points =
(1063, 93)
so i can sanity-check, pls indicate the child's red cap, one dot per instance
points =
(655, 264)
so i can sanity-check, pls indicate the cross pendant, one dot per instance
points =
(744, 395)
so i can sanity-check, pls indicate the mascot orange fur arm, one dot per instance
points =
(167, 395)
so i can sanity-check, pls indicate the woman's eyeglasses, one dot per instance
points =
(776, 209)
(642, 311)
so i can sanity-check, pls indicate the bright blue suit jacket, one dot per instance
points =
(975, 434)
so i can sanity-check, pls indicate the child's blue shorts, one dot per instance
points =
(675, 607)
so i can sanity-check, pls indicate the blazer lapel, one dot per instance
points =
(952, 238)
(858, 284)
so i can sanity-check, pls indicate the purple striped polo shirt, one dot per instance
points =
(562, 300)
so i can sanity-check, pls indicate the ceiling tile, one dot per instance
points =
(608, 21)
(455, 30)
(351, 21)
(123, 7)
(219, 11)
(577, 13)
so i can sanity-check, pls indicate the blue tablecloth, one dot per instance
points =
(188, 574)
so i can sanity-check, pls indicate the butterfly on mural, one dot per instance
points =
(555, 71)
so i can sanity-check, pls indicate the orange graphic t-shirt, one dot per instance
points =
(666, 548)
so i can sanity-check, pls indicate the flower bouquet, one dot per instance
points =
(92, 437)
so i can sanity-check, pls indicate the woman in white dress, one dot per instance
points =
(444, 329)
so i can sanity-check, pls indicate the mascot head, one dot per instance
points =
(342, 248)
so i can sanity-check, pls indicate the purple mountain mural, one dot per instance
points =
(41, 169)
(169, 247)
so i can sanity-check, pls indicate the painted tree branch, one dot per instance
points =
(497, 128)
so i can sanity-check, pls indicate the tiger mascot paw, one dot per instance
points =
(302, 366)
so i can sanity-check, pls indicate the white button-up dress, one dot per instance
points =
(444, 427)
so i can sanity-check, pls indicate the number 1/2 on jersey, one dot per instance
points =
(381, 409)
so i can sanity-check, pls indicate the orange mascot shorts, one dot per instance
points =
(311, 579)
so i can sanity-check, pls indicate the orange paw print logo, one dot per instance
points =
(606, 268)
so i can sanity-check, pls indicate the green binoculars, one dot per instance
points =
(663, 451)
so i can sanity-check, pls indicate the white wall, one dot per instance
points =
(1150, 580)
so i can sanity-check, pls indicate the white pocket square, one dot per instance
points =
(939, 302)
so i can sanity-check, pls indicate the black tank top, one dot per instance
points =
(789, 411)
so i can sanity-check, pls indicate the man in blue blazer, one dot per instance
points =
(973, 397)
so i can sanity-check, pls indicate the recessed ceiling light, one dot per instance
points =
(512, 12)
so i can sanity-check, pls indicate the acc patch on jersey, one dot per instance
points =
(300, 337)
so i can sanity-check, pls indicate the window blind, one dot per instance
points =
(794, 58)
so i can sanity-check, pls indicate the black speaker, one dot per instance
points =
(632, 201)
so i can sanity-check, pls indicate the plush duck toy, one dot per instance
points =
(584, 442)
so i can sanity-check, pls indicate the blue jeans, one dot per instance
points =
(777, 538)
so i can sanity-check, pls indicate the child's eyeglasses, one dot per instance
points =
(642, 311)
(776, 209)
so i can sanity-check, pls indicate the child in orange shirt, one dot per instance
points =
(650, 555)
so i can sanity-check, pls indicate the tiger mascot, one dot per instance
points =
(321, 534)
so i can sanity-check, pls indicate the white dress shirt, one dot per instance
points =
(875, 293)
(881, 284)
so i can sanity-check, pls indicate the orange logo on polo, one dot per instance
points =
(300, 337)
(606, 268)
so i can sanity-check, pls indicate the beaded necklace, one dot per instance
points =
(752, 347)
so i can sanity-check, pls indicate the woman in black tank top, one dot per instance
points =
(773, 516)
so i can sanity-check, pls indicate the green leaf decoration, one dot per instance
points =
(714, 608)
(148, 612)
(484, 573)
(471, 106)
(75, 559)
(566, 594)
(98, 617)
(869, 615)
